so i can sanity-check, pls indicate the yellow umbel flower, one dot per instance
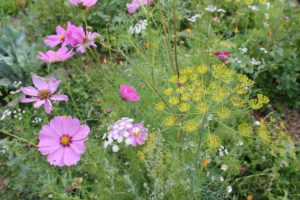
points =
(160, 106)
(263, 133)
(263, 99)
(180, 90)
(182, 79)
(185, 96)
(169, 121)
(245, 80)
(240, 89)
(213, 142)
(184, 107)
(263, 2)
(202, 107)
(193, 77)
(191, 126)
(174, 100)
(187, 71)
(197, 96)
(202, 69)
(255, 104)
(223, 113)
(173, 79)
(219, 95)
(249, 2)
(168, 91)
(237, 102)
(245, 130)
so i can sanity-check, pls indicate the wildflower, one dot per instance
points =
(245, 130)
(250, 197)
(160, 106)
(204, 163)
(254, 8)
(85, 3)
(115, 149)
(229, 189)
(139, 27)
(129, 93)
(224, 167)
(138, 134)
(221, 178)
(173, 100)
(185, 96)
(216, 20)
(264, 134)
(184, 107)
(255, 104)
(222, 55)
(189, 30)
(173, 79)
(194, 18)
(263, 99)
(60, 55)
(62, 140)
(78, 180)
(243, 170)
(135, 4)
(59, 38)
(69, 189)
(79, 39)
(213, 142)
(255, 62)
(237, 102)
(169, 121)
(191, 126)
(211, 8)
(223, 113)
(168, 91)
(202, 69)
(42, 93)
(236, 29)
(257, 123)
(243, 50)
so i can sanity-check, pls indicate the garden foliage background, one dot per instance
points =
(215, 83)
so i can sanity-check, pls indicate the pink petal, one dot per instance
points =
(60, 97)
(70, 126)
(52, 40)
(78, 147)
(56, 158)
(40, 83)
(81, 134)
(70, 157)
(48, 106)
(53, 84)
(31, 91)
(28, 100)
(57, 125)
(38, 103)
(48, 132)
(47, 146)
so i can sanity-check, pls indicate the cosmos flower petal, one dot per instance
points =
(39, 103)
(60, 97)
(40, 83)
(48, 106)
(53, 84)
(56, 158)
(57, 125)
(28, 100)
(70, 157)
(31, 91)
(81, 134)
(71, 125)
(78, 147)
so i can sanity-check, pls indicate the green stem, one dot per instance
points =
(17, 137)
(73, 101)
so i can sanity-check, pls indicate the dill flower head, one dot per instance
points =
(241, 89)
(184, 107)
(187, 71)
(213, 142)
(185, 96)
(169, 121)
(160, 106)
(219, 95)
(168, 91)
(245, 130)
(263, 133)
(223, 113)
(202, 69)
(245, 80)
(190, 126)
(255, 104)
(173, 79)
(183, 79)
(237, 102)
(174, 100)
(202, 107)
(263, 99)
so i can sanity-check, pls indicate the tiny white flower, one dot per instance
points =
(105, 144)
(267, 16)
(128, 141)
(257, 123)
(115, 149)
(194, 18)
(120, 140)
(254, 8)
(255, 62)
(229, 189)
(243, 50)
(224, 167)
(221, 178)
(269, 5)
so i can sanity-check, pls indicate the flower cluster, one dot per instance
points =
(74, 37)
(85, 3)
(135, 4)
(124, 130)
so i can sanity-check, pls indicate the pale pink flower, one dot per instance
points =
(60, 55)
(222, 55)
(85, 3)
(43, 93)
(135, 4)
(77, 38)
(138, 134)
(59, 38)
(129, 93)
(62, 140)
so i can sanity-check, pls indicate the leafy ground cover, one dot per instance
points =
(149, 99)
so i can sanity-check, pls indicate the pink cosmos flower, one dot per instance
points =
(60, 55)
(85, 3)
(77, 38)
(222, 55)
(138, 134)
(62, 140)
(59, 38)
(42, 93)
(129, 93)
(135, 4)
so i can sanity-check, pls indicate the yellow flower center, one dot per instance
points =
(44, 94)
(65, 140)
(62, 38)
(85, 40)
(56, 58)
(136, 134)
